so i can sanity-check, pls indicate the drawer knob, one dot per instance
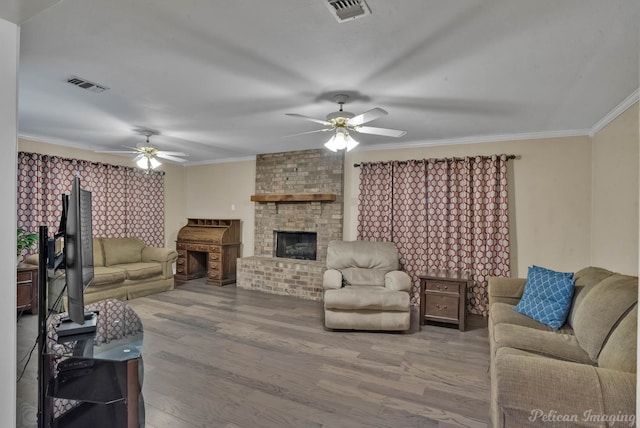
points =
(441, 308)
(445, 287)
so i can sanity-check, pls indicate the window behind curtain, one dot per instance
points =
(448, 214)
(126, 202)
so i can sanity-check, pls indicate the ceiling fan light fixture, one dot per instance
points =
(351, 143)
(341, 140)
(148, 163)
(343, 122)
(143, 163)
(154, 162)
(331, 145)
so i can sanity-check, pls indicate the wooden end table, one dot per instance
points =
(443, 296)
(27, 288)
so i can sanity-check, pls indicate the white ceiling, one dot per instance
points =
(216, 78)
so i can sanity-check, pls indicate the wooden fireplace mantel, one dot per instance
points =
(294, 197)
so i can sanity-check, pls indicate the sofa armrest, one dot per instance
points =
(528, 387)
(164, 256)
(155, 254)
(32, 259)
(397, 280)
(505, 290)
(332, 279)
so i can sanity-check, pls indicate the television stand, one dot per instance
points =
(96, 381)
(69, 328)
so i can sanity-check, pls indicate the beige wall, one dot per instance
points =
(9, 52)
(614, 239)
(174, 181)
(223, 190)
(549, 196)
(560, 189)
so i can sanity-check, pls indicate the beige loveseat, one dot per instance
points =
(363, 288)
(584, 374)
(124, 268)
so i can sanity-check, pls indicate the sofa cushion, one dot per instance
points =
(503, 313)
(367, 298)
(547, 296)
(360, 276)
(107, 275)
(98, 254)
(619, 353)
(585, 280)
(601, 309)
(562, 346)
(122, 250)
(141, 270)
(362, 254)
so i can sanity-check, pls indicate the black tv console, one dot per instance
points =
(95, 379)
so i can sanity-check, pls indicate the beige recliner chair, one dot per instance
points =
(363, 288)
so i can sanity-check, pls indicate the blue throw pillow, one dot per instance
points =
(547, 296)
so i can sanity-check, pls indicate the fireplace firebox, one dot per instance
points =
(295, 244)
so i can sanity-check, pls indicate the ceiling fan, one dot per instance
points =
(343, 122)
(147, 155)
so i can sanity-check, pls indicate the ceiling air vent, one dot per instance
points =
(347, 10)
(85, 84)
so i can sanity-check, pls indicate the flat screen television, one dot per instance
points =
(78, 261)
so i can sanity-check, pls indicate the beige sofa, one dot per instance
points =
(584, 374)
(124, 268)
(364, 288)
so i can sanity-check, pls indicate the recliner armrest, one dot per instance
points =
(332, 279)
(398, 281)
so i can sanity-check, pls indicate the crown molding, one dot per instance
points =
(614, 113)
(479, 139)
(617, 111)
(224, 160)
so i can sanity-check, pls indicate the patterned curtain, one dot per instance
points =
(375, 202)
(142, 211)
(125, 201)
(448, 214)
(409, 219)
(468, 224)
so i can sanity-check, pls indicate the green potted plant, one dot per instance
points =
(25, 242)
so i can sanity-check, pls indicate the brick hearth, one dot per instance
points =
(308, 171)
(299, 278)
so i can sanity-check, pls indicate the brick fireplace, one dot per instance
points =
(299, 192)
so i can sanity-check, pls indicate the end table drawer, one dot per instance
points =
(443, 296)
(25, 277)
(24, 295)
(442, 307)
(443, 286)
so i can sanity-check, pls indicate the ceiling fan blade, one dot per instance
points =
(367, 116)
(311, 119)
(310, 132)
(172, 153)
(380, 131)
(117, 151)
(169, 157)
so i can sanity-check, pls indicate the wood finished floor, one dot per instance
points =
(227, 357)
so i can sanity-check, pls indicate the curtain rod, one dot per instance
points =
(357, 165)
(87, 162)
